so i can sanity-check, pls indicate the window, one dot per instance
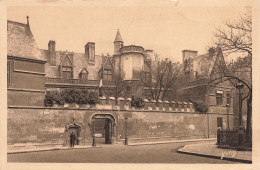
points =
(107, 75)
(128, 88)
(219, 122)
(228, 98)
(8, 74)
(219, 97)
(84, 76)
(66, 72)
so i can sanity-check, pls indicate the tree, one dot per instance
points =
(160, 78)
(116, 86)
(235, 38)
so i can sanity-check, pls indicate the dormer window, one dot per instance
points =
(107, 74)
(67, 72)
(66, 67)
(83, 75)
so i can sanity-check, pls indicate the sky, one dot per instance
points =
(166, 29)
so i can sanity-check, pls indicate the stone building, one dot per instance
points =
(31, 72)
(85, 70)
(199, 71)
(25, 67)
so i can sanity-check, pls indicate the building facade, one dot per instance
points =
(25, 65)
(199, 75)
(32, 71)
(85, 70)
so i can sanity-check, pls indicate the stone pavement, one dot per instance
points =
(211, 150)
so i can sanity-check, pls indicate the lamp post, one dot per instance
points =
(228, 107)
(94, 142)
(239, 88)
(126, 140)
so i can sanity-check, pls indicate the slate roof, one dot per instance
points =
(20, 41)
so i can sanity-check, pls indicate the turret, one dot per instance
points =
(118, 43)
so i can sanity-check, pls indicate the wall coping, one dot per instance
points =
(114, 110)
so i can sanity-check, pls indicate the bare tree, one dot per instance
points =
(235, 38)
(160, 78)
(115, 87)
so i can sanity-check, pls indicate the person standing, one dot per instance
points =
(72, 139)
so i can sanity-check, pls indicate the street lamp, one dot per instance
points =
(126, 140)
(228, 108)
(239, 88)
(94, 142)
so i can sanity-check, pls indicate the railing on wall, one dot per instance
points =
(49, 80)
(132, 48)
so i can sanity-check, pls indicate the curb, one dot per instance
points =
(51, 149)
(216, 157)
(174, 141)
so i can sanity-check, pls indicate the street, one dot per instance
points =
(159, 153)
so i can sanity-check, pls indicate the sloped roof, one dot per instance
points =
(84, 70)
(203, 64)
(118, 37)
(20, 41)
(105, 60)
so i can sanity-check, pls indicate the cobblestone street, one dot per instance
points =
(160, 153)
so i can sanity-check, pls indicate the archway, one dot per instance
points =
(103, 126)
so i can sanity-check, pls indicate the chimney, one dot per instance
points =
(52, 53)
(51, 45)
(211, 52)
(186, 54)
(90, 52)
(149, 54)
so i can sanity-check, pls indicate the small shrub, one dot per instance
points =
(93, 98)
(200, 106)
(137, 102)
(53, 96)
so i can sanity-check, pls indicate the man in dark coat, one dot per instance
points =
(72, 139)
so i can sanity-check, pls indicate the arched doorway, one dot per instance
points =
(103, 127)
(73, 127)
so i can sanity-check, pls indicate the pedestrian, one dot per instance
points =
(72, 139)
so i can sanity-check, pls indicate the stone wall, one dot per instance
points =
(48, 124)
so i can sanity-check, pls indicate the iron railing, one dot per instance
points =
(227, 138)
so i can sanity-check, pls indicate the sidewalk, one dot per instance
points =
(13, 149)
(210, 150)
(46, 148)
(170, 141)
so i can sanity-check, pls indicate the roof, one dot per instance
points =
(118, 37)
(204, 64)
(104, 63)
(20, 41)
